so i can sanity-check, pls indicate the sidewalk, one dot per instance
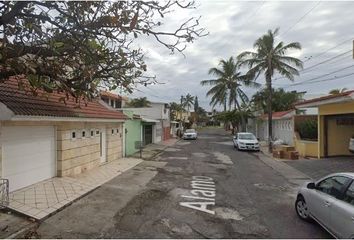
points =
(152, 150)
(293, 175)
(47, 197)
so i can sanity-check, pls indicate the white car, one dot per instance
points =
(190, 134)
(245, 141)
(330, 202)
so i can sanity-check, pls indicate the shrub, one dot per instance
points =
(308, 129)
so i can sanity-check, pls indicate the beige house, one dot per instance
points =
(42, 136)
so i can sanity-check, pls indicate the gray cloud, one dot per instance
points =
(234, 26)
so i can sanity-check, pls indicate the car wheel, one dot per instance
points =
(302, 209)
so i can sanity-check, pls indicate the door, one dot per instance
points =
(147, 134)
(322, 198)
(28, 155)
(343, 214)
(103, 155)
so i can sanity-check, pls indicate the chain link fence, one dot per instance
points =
(4, 193)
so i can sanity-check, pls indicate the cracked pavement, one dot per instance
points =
(252, 200)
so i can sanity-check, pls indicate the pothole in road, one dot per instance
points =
(272, 187)
(200, 154)
(172, 149)
(227, 213)
(171, 170)
(223, 158)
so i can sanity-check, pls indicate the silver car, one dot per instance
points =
(330, 202)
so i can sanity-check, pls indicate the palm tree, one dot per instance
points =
(270, 57)
(139, 102)
(227, 85)
(338, 91)
(188, 101)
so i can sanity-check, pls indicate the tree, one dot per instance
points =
(270, 57)
(281, 100)
(175, 108)
(196, 104)
(226, 88)
(139, 102)
(188, 101)
(337, 91)
(81, 46)
(235, 117)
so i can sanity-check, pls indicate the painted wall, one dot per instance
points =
(133, 134)
(339, 108)
(305, 148)
(282, 129)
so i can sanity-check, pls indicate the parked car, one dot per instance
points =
(245, 141)
(330, 202)
(190, 134)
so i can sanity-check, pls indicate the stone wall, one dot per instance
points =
(79, 154)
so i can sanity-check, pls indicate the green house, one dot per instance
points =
(133, 132)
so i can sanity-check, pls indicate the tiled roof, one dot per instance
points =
(22, 102)
(277, 114)
(110, 95)
(328, 97)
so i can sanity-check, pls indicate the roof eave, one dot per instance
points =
(62, 119)
(318, 103)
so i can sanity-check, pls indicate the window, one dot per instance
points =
(97, 132)
(333, 185)
(112, 131)
(92, 133)
(117, 130)
(83, 134)
(73, 135)
(349, 194)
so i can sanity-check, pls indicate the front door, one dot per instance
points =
(147, 134)
(103, 155)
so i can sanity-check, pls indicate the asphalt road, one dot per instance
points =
(251, 199)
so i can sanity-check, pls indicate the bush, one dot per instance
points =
(308, 129)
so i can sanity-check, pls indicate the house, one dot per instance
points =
(156, 122)
(282, 127)
(49, 135)
(335, 123)
(133, 129)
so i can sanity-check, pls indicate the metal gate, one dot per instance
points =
(4, 193)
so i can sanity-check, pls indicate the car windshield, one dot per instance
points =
(246, 136)
(190, 131)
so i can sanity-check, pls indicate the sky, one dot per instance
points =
(324, 29)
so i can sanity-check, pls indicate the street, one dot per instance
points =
(201, 188)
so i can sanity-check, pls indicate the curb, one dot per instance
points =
(291, 174)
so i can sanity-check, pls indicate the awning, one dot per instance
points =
(149, 120)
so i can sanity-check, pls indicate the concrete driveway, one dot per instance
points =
(317, 168)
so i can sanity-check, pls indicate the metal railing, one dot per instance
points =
(4, 193)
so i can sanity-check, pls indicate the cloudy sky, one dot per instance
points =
(324, 29)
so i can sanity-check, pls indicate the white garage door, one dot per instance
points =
(28, 155)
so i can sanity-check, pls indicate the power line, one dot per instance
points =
(321, 76)
(326, 51)
(318, 64)
(300, 19)
(323, 80)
